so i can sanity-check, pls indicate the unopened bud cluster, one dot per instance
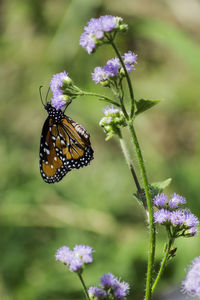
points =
(112, 122)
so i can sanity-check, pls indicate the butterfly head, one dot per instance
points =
(56, 115)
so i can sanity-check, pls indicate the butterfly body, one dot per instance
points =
(64, 145)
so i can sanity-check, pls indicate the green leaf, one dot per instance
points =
(158, 187)
(155, 189)
(144, 104)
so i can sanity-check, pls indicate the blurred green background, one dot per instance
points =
(94, 205)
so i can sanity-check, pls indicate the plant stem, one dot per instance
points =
(163, 263)
(128, 160)
(127, 78)
(101, 97)
(152, 236)
(84, 286)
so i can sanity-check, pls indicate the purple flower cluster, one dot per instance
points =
(171, 213)
(110, 286)
(75, 259)
(59, 99)
(113, 68)
(191, 284)
(97, 30)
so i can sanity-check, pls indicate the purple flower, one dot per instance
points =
(120, 289)
(161, 216)
(110, 110)
(190, 219)
(112, 67)
(176, 200)
(63, 254)
(191, 284)
(87, 42)
(184, 217)
(84, 252)
(130, 59)
(96, 292)
(76, 263)
(75, 259)
(58, 101)
(109, 23)
(99, 75)
(160, 200)
(107, 280)
(177, 217)
(57, 83)
(94, 27)
(190, 232)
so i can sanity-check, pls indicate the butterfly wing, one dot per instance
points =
(72, 144)
(51, 165)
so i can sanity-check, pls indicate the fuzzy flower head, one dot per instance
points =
(58, 81)
(75, 259)
(183, 217)
(113, 70)
(96, 293)
(110, 288)
(130, 59)
(107, 280)
(176, 200)
(59, 85)
(112, 67)
(112, 122)
(160, 200)
(97, 29)
(59, 101)
(162, 216)
(99, 75)
(191, 284)
(120, 289)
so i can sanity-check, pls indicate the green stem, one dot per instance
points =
(84, 286)
(152, 236)
(163, 263)
(128, 160)
(101, 97)
(127, 78)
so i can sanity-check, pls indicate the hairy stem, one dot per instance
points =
(84, 286)
(152, 236)
(127, 78)
(128, 160)
(163, 263)
(101, 97)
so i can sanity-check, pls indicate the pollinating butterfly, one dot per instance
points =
(64, 145)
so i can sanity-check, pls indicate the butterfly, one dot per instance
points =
(64, 145)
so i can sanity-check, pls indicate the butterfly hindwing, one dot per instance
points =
(71, 142)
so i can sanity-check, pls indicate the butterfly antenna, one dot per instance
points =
(67, 104)
(47, 95)
(40, 91)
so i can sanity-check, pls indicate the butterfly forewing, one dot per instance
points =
(65, 145)
(51, 166)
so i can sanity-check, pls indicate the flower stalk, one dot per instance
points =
(152, 237)
(163, 263)
(127, 78)
(84, 285)
(130, 165)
